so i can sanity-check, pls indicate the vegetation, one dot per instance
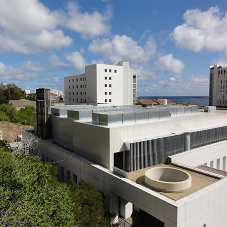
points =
(31, 195)
(23, 116)
(10, 92)
(143, 105)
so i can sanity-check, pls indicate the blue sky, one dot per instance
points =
(170, 44)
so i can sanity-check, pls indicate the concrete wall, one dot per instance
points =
(89, 141)
(22, 103)
(213, 155)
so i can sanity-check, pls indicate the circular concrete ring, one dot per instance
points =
(168, 179)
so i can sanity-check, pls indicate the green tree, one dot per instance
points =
(10, 92)
(31, 195)
(10, 111)
(25, 115)
(87, 205)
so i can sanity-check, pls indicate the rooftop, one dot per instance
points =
(199, 181)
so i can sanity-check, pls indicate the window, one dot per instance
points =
(109, 85)
(73, 80)
(73, 86)
(110, 70)
(218, 73)
(76, 86)
(85, 100)
(109, 100)
(76, 80)
(69, 93)
(75, 178)
(109, 78)
(105, 100)
(81, 100)
(77, 93)
(70, 100)
(73, 93)
(105, 93)
(105, 85)
(69, 87)
(105, 77)
(80, 93)
(105, 70)
(80, 79)
(110, 93)
(69, 81)
(80, 86)
(115, 71)
(77, 100)
(73, 100)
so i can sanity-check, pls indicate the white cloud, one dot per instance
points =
(31, 65)
(8, 70)
(77, 59)
(21, 72)
(202, 30)
(28, 26)
(168, 64)
(54, 61)
(171, 78)
(123, 48)
(27, 76)
(201, 81)
(88, 24)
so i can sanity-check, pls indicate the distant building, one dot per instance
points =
(102, 84)
(27, 92)
(218, 86)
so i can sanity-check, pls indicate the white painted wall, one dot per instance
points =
(118, 78)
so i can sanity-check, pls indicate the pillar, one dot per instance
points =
(186, 141)
(126, 208)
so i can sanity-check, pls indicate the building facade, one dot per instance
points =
(113, 147)
(102, 84)
(218, 86)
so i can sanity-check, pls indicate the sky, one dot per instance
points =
(170, 44)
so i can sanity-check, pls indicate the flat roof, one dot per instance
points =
(199, 181)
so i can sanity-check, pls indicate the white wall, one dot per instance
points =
(214, 153)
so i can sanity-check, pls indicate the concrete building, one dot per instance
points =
(218, 86)
(168, 163)
(102, 84)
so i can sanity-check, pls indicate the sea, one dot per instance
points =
(198, 100)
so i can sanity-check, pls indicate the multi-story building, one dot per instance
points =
(218, 86)
(102, 84)
(166, 163)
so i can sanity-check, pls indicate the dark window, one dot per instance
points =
(80, 93)
(77, 93)
(105, 70)
(109, 100)
(69, 87)
(105, 100)
(73, 86)
(109, 78)
(69, 93)
(105, 85)
(80, 86)
(105, 77)
(110, 93)
(105, 93)
(73, 80)
(115, 71)
(73, 93)
(69, 80)
(109, 85)
(75, 178)
(110, 70)
(76, 86)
